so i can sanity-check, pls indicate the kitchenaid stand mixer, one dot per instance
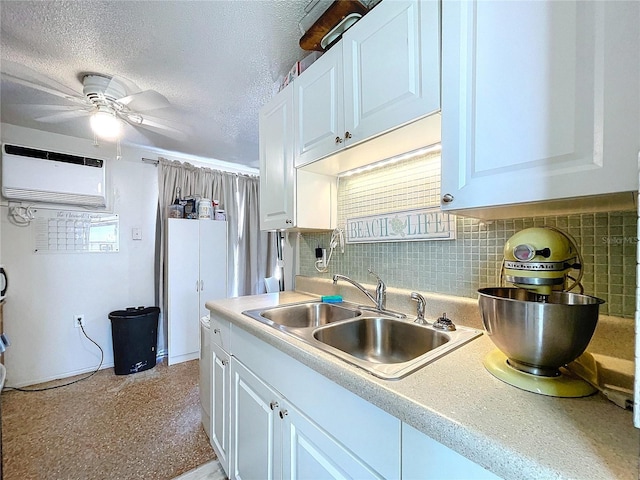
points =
(539, 325)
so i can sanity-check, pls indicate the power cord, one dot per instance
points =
(337, 237)
(21, 216)
(69, 383)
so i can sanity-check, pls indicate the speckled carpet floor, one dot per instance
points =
(140, 426)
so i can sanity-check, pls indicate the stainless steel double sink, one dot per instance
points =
(386, 347)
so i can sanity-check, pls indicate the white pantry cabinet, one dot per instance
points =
(540, 101)
(196, 272)
(384, 73)
(289, 198)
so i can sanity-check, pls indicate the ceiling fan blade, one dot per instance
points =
(42, 112)
(52, 91)
(144, 101)
(156, 125)
(62, 116)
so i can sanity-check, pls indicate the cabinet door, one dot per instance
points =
(319, 118)
(276, 162)
(213, 262)
(220, 411)
(256, 450)
(316, 200)
(309, 452)
(423, 457)
(540, 100)
(391, 67)
(183, 288)
(204, 365)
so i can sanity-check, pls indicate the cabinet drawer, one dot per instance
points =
(220, 333)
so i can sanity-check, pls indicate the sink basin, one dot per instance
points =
(386, 347)
(304, 315)
(381, 340)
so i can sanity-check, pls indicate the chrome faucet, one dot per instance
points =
(381, 292)
(420, 308)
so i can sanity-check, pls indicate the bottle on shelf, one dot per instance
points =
(177, 209)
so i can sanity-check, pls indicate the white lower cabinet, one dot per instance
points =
(308, 451)
(273, 439)
(256, 444)
(287, 421)
(205, 377)
(423, 457)
(220, 411)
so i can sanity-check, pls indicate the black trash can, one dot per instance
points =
(135, 339)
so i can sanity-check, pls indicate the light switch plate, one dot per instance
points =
(136, 233)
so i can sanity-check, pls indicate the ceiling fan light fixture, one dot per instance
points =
(105, 124)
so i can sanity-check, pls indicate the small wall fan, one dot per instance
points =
(107, 100)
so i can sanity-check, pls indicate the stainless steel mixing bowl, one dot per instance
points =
(538, 337)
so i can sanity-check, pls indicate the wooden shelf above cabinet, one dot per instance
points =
(331, 18)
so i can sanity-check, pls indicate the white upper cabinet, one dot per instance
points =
(391, 67)
(277, 187)
(319, 117)
(288, 198)
(384, 73)
(540, 101)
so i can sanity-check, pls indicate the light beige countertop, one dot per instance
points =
(454, 400)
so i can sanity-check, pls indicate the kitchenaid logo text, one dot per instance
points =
(410, 225)
(537, 266)
(618, 240)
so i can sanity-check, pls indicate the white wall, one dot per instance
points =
(47, 290)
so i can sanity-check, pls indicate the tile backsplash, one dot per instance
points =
(459, 267)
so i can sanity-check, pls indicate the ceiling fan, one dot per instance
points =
(109, 101)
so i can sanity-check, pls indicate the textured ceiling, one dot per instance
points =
(215, 61)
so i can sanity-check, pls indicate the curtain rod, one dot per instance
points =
(237, 174)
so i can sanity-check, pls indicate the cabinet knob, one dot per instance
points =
(225, 362)
(289, 222)
(338, 140)
(273, 405)
(283, 413)
(216, 330)
(447, 198)
(201, 285)
(347, 135)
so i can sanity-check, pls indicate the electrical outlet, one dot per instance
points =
(78, 320)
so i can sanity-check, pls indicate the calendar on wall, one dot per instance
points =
(63, 231)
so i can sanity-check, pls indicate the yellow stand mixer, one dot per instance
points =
(538, 325)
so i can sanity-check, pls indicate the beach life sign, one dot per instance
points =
(406, 226)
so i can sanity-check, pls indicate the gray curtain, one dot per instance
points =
(250, 255)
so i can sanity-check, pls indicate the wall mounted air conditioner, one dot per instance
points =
(34, 175)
